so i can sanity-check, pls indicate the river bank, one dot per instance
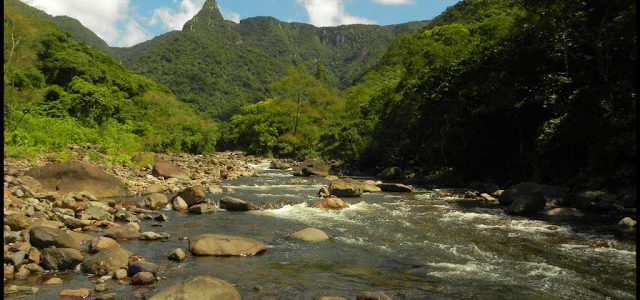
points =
(424, 247)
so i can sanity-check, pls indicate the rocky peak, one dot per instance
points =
(208, 17)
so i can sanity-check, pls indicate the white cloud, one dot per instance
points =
(330, 13)
(174, 20)
(102, 17)
(395, 2)
(134, 34)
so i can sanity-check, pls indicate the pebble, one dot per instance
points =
(100, 287)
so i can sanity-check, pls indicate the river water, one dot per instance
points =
(408, 245)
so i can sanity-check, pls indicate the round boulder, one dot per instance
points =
(310, 235)
(225, 245)
(199, 288)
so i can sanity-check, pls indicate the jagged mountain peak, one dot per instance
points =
(208, 17)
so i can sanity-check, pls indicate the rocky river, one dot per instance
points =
(425, 244)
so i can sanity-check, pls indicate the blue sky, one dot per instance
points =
(125, 23)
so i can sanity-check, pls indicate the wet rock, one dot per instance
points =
(126, 216)
(193, 195)
(157, 201)
(150, 235)
(600, 244)
(203, 208)
(34, 268)
(235, 204)
(314, 167)
(367, 295)
(594, 200)
(530, 197)
(310, 235)
(161, 218)
(167, 170)
(76, 176)
(342, 188)
(106, 296)
(142, 266)
(331, 203)
(17, 258)
(17, 221)
(101, 243)
(324, 192)
(199, 288)
(43, 237)
(126, 232)
(395, 187)
(143, 278)
(106, 261)
(488, 197)
(627, 222)
(224, 245)
(61, 258)
(177, 254)
(331, 298)
(564, 212)
(179, 204)
(53, 281)
(77, 293)
(120, 274)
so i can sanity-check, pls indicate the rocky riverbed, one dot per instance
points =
(147, 226)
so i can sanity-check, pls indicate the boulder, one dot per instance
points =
(193, 195)
(73, 223)
(331, 203)
(203, 208)
(106, 261)
(594, 200)
(150, 235)
(142, 266)
(199, 288)
(179, 204)
(143, 278)
(224, 245)
(164, 169)
(43, 237)
(564, 212)
(310, 235)
(313, 167)
(128, 231)
(627, 222)
(77, 293)
(96, 213)
(75, 176)
(530, 197)
(395, 187)
(153, 189)
(17, 221)
(214, 189)
(235, 204)
(324, 192)
(61, 258)
(342, 188)
(53, 281)
(279, 165)
(157, 201)
(101, 243)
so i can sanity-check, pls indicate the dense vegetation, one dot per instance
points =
(219, 66)
(59, 92)
(503, 90)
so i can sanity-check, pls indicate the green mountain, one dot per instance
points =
(58, 91)
(219, 66)
(78, 32)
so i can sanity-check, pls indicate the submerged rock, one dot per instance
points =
(199, 288)
(225, 245)
(395, 187)
(177, 254)
(331, 203)
(367, 295)
(235, 204)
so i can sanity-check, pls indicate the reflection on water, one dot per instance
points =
(411, 246)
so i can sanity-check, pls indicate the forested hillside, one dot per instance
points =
(502, 90)
(59, 92)
(218, 66)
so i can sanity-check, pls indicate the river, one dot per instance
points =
(408, 245)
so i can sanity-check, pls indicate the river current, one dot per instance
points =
(407, 245)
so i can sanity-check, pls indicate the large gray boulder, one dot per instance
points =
(235, 204)
(75, 176)
(43, 237)
(199, 288)
(224, 245)
(142, 266)
(61, 258)
(342, 188)
(126, 232)
(106, 261)
(530, 197)
(157, 201)
(312, 167)
(164, 169)
(193, 195)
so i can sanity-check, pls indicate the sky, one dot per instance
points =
(124, 23)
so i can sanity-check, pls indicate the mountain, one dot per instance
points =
(78, 32)
(219, 66)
